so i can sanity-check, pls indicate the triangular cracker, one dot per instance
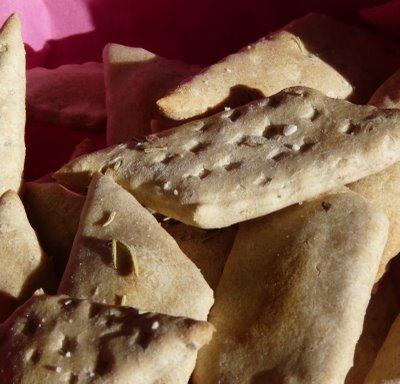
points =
(250, 161)
(120, 252)
(72, 94)
(58, 340)
(135, 79)
(386, 368)
(292, 298)
(24, 266)
(54, 212)
(316, 51)
(12, 104)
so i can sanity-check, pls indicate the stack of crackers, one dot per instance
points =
(239, 227)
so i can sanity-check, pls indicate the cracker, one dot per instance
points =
(381, 312)
(386, 368)
(72, 95)
(12, 104)
(249, 161)
(58, 339)
(316, 51)
(120, 251)
(135, 79)
(207, 249)
(54, 213)
(383, 188)
(24, 266)
(292, 298)
(146, 265)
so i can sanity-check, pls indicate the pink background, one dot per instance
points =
(198, 31)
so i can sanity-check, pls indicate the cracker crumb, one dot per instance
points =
(175, 192)
(227, 108)
(155, 325)
(167, 186)
(57, 369)
(228, 70)
(68, 354)
(289, 129)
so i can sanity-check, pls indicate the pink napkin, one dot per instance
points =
(74, 31)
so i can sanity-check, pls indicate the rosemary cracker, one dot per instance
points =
(58, 340)
(316, 51)
(242, 163)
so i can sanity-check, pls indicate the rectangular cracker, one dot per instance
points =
(249, 161)
(315, 51)
(291, 301)
(59, 339)
(135, 79)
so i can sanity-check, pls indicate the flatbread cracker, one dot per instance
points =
(132, 256)
(316, 51)
(381, 312)
(24, 266)
(12, 105)
(383, 188)
(249, 161)
(54, 212)
(58, 340)
(207, 249)
(292, 298)
(72, 95)
(135, 79)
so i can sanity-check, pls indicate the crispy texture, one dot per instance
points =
(239, 165)
(207, 249)
(54, 212)
(72, 95)
(12, 105)
(135, 261)
(24, 266)
(388, 94)
(316, 51)
(163, 280)
(381, 312)
(135, 79)
(386, 368)
(292, 298)
(57, 340)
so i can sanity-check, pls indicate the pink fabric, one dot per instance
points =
(74, 31)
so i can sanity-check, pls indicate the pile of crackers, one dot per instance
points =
(238, 228)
